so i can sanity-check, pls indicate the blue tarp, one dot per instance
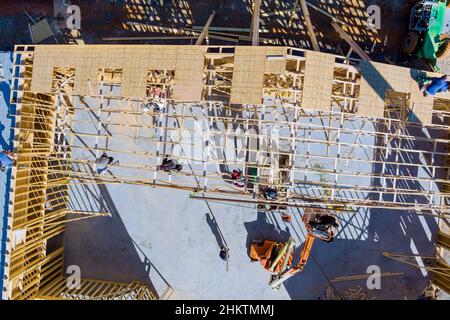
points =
(6, 137)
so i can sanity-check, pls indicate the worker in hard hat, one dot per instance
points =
(169, 165)
(103, 162)
(238, 179)
(270, 193)
(435, 85)
(224, 253)
(6, 160)
(146, 107)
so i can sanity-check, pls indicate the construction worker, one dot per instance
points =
(270, 193)
(429, 293)
(169, 165)
(286, 217)
(239, 179)
(6, 160)
(103, 162)
(224, 253)
(236, 174)
(146, 107)
(326, 226)
(435, 85)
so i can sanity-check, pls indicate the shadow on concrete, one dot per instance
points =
(396, 231)
(265, 227)
(212, 223)
(388, 231)
(352, 257)
(103, 248)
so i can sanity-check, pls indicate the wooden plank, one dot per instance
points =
(327, 14)
(309, 25)
(281, 12)
(41, 31)
(198, 28)
(365, 276)
(351, 42)
(292, 13)
(315, 44)
(255, 22)
(213, 36)
(239, 37)
(443, 240)
(148, 38)
(202, 35)
(156, 28)
(318, 81)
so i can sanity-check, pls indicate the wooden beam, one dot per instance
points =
(443, 240)
(148, 38)
(202, 35)
(229, 39)
(365, 276)
(309, 25)
(281, 12)
(161, 29)
(255, 22)
(351, 42)
(198, 28)
(239, 36)
(327, 14)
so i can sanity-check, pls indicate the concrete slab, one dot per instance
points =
(174, 235)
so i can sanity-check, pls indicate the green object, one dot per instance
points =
(252, 175)
(428, 18)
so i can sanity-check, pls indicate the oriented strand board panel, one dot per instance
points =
(276, 60)
(421, 106)
(42, 70)
(372, 91)
(190, 61)
(250, 64)
(41, 31)
(134, 60)
(248, 75)
(134, 82)
(376, 78)
(318, 83)
(143, 59)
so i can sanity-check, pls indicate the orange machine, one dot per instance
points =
(276, 257)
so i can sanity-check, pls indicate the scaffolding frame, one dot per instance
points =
(39, 206)
(278, 143)
(171, 121)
